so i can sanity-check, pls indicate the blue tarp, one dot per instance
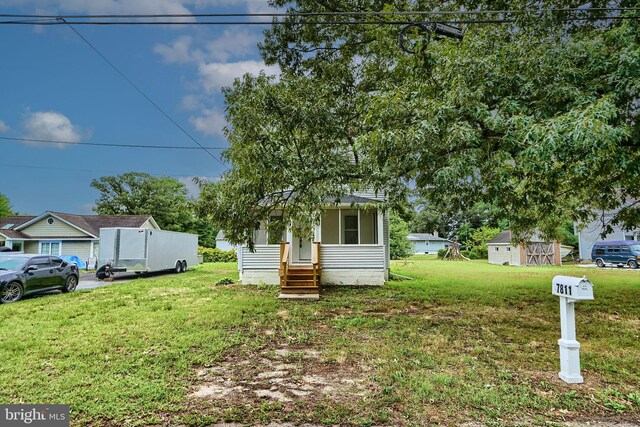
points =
(75, 259)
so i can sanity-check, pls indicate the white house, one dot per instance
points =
(222, 243)
(536, 251)
(57, 233)
(350, 246)
(589, 234)
(426, 243)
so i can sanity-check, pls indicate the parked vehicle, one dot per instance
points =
(140, 250)
(22, 274)
(619, 253)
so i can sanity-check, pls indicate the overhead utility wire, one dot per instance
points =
(103, 144)
(452, 21)
(140, 91)
(13, 165)
(344, 13)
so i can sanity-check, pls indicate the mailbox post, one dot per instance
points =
(570, 289)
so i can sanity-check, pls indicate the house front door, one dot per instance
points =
(302, 250)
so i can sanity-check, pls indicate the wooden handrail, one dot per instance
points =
(315, 262)
(284, 263)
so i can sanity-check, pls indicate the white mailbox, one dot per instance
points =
(570, 289)
(574, 288)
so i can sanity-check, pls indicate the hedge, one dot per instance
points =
(217, 255)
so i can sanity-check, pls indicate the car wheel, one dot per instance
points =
(12, 292)
(178, 268)
(184, 266)
(600, 263)
(633, 264)
(71, 284)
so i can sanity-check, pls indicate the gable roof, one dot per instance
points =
(426, 236)
(88, 224)
(505, 237)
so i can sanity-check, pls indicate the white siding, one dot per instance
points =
(370, 194)
(56, 229)
(266, 257)
(352, 257)
(79, 249)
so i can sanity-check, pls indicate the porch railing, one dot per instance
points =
(284, 263)
(315, 262)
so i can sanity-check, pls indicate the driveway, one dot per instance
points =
(89, 281)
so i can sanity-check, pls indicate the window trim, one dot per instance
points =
(49, 242)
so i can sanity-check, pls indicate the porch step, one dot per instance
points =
(299, 296)
(300, 282)
(300, 289)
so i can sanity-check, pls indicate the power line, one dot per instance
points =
(103, 144)
(332, 23)
(336, 13)
(140, 90)
(12, 165)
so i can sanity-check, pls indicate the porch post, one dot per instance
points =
(380, 216)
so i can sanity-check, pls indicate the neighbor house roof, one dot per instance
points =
(220, 235)
(426, 236)
(11, 222)
(506, 236)
(89, 224)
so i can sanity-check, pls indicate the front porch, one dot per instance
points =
(349, 247)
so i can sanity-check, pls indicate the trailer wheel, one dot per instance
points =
(178, 268)
(184, 266)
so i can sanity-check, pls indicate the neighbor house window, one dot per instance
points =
(16, 246)
(508, 249)
(497, 249)
(50, 248)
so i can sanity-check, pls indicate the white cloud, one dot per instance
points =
(233, 43)
(49, 125)
(210, 122)
(3, 126)
(217, 74)
(191, 102)
(179, 51)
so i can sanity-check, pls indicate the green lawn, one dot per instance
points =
(464, 341)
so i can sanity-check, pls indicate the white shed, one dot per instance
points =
(535, 252)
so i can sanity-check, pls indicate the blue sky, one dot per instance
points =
(53, 86)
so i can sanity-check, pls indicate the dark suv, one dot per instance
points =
(22, 274)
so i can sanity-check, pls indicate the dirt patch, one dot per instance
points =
(282, 375)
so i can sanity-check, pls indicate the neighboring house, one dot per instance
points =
(222, 243)
(350, 245)
(590, 234)
(425, 243)
(60, 234)
(536, 251)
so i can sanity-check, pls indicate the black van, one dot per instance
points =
(619, 252)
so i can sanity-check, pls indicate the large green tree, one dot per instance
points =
(136, 193)
(536, 116)
(5, 206)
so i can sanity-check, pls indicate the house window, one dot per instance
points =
(276, 233)
(350, 229)
(50, 221)
(16, 246)
(50, 248)
(629, 237)
(497, 249)
(508, 249)
(368, 227)
(330, 227)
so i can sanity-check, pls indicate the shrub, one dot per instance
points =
(442, 253)
(217, 255)
(224, 281)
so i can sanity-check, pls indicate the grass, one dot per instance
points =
(463, 341)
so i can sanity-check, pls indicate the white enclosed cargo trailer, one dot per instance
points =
(139, 250)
